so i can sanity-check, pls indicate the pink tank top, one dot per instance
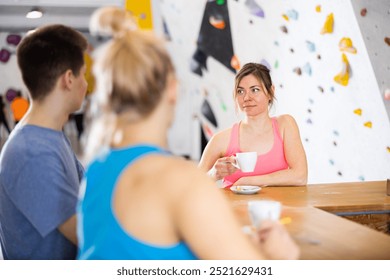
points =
(269, 162)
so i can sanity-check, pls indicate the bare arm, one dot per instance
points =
(209, 226)
(68, 229)
(295, 155)
(213, 161)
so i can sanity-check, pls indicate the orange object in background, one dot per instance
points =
(19, 107)
(217, 23)
(235, 63)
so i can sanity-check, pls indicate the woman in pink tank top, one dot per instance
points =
(281, 158)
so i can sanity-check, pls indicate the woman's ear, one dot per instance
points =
(271, 94)
(172, 90)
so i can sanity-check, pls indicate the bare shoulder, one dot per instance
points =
(166, 176)
(219, 142)
(285, 119)
(286, 122)
(179, 174)
(222, 136)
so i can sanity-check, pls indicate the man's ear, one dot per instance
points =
(67, 79)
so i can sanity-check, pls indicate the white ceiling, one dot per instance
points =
(74, 13)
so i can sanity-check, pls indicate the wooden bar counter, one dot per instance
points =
(312, 211)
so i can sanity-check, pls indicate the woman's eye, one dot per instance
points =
(256, 90)
(240, 92)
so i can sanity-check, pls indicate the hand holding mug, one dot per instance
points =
(223, 167)
(272, 237)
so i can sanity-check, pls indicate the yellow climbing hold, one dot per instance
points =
(343, 77)
(346, 45)
(358, 111)
(328, 25)
(368, 124)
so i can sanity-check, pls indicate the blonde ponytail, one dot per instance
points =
(131, 71)
(111, 21)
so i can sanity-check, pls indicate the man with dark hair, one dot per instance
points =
(39, 172)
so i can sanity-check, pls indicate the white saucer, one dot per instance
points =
(245, 189)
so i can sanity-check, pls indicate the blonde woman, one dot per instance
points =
(138, 201)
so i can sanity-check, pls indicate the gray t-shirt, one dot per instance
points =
(39, 183)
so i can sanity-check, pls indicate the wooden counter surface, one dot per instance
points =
(323, 235)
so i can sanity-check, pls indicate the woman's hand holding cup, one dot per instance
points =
(224, 166)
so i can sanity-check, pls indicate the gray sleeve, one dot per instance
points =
(44, 193)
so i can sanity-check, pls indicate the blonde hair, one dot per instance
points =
(131, 71)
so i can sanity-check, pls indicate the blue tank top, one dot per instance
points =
(99, 233)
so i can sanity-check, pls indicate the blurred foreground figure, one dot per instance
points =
(138, 201)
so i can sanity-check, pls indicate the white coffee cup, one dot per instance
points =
(260, 210)
(246, 161)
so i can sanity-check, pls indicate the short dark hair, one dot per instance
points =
(46, 54)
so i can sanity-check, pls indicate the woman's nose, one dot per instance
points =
(246, 96)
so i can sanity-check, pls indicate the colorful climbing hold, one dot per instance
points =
(254, 8)
(387, 94)
(343, 77)
(284, 29)
(292, 14)
(387, 40)
(307, 69)
(265, 63)
(310, 46)
(346, 45)
(358, 111)
(235, 63)
(328, 25)
(368, 124)
(5, 55)
(217, 22)
(14, 39)
(297, 70)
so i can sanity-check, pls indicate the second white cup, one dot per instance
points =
(260, 210)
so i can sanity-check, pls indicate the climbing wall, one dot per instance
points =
(329, 61)
(373, 18)
(323, 73)
(11, 79)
